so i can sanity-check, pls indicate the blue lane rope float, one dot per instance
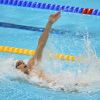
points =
(30, 4)
(31, 28)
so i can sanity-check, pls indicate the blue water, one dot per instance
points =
(71, 42)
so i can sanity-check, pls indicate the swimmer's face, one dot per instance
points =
(21, 65)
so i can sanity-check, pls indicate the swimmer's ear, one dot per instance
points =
(18, 63)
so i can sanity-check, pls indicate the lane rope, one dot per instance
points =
(71, 9)
(28, 52)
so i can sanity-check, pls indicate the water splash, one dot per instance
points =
(85, 79)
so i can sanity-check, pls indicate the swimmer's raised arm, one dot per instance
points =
(43, 39)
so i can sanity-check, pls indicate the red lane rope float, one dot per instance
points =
(30, 4)
(87, 11)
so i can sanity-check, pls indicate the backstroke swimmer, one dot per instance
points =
(31, 66)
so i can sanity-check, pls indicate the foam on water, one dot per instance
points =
(85, 79)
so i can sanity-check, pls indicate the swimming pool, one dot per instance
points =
(76, 35)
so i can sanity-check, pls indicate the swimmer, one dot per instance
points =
(31, 66)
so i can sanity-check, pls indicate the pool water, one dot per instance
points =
(79, 36)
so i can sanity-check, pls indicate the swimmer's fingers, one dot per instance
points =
(54, 17)
(58, 14)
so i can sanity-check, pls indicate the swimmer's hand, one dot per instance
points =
(54, 17)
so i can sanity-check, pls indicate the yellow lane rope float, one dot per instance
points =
(32, 52)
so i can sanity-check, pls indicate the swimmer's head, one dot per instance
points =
(22, 66)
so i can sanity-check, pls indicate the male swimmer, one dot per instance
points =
(31, 66)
